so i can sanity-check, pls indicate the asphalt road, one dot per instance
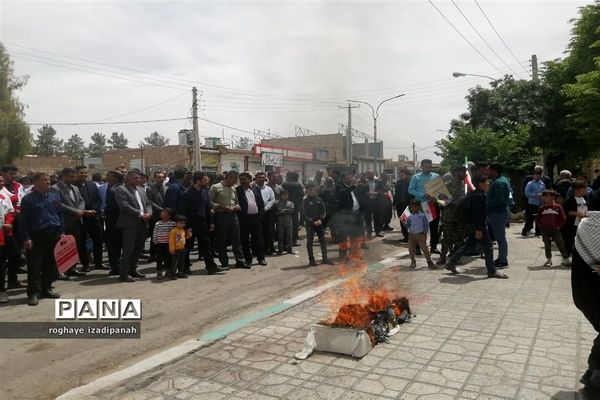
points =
(173, 312)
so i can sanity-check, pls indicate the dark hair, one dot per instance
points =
(181, 218)
(179, 173)
(8, 168)
(414, 202)
(550, 192)
(37, 176)
(495, 166)
(284, 192)
(96, 177)
(67, 171)
(157, 172)
(482, 164)
(246, 174)
(198, 175)
(170, 211)
(578, 185)
(80, 167)
(477, 179)
(231, 173)
(26, 180)
(116, 174)
(134, 172)
(259, 173)
(426, 161)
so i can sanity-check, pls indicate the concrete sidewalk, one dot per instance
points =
(473, 338)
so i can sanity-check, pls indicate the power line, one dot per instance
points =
(464, 37)
(141, 109)
(97, 123)
(500, 37)
(482, 38)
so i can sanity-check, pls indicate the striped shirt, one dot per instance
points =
(161, 231)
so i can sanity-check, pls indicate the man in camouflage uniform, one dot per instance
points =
(453, 231)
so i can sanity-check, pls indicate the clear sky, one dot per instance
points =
(270, 65)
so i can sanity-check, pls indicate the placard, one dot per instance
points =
(272, 159)
(438, 189)
(65, 253)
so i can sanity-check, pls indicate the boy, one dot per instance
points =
(575, 208)
(160, 238)
(314, 214)
(177, 239)
(285, 210)
(476, 225)
(418, 227)
(550, 218)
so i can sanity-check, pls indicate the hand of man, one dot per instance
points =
(237, 208)
(80, 213)
(211, 227)
(7, 226)
(89, 213)
(318, 222)
(478, 235)
(28, 244)
(146, 216)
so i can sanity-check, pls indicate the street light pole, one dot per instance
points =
(375, 112)
(461, 74)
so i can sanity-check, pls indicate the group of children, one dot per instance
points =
(169, 236)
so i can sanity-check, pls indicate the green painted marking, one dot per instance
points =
(375, 266)
(224, 330)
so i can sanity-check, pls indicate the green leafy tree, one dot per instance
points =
(156, 140)
(75, 147)
(15, 137)
(118, 141)
(46, 143)
(97, 144)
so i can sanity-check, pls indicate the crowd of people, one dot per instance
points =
(260, 216)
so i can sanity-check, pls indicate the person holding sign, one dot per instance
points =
(416, 188)
(41, 228)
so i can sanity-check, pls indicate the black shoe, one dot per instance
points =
(86, 268)
(215, 270)
(126, 279)
(33, 300)
(279, 252)
(262, 262)
(404, 240)
(63, 277)
(113, 273)
(380, 234)
(312, 263)
(452, 269)
(388, 228)
(328, 261)
(295, 244)
(182, 275)
(136, 274)
(49, 294)
(74, 272)
(441, 261)
(434, 250)
(497, 276)
(585, 378)
(241, 264)
(187, 271)
(225, 267)
(21, 270)
(500, 265)
(152, 259)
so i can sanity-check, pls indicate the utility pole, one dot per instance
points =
(197, 154)
(349, 134)
(414, 159)
(534, 68)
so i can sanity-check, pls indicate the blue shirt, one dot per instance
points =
(532, 190)
(417, 223)
(40, 213)
(102, 191)
(416, 187)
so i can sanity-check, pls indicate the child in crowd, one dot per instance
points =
(285, 210)
(314, 213)
(177, 239)
(551, 217)
(418, 227)
(160, 237)
(576, 209)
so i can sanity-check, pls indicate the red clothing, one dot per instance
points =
(9, 219)
(551, 217)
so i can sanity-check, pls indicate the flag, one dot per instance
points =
(405, 215)
(429, 210)
(469, 187)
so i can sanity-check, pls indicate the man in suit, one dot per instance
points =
(92, 224)
(114, 236)
(156, 196)
(252, 210)
(349, 220)
(134, 213)
(374, 204)
(73, 210)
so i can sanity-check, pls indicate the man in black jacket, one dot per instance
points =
(349, 220)
(114, 239)
(402, 198)
(314, 214)
(91, 223)
(474, 210)
(296, 191)
(250, 216)
(195, 205)
(156, 196)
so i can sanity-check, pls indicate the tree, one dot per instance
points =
(118, 141)
(46, 143)
(75, 147)
(15, 137)
(156, 140)
(243, 143)
(97, 144)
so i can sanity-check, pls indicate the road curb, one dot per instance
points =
(190, 346)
